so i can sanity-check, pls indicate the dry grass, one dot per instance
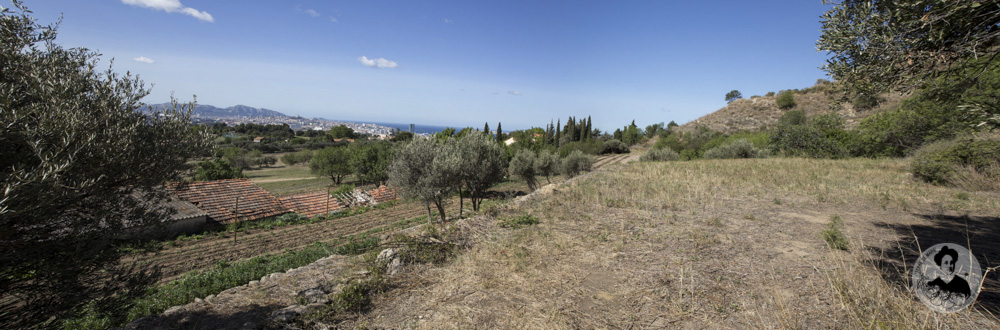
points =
(697, 244)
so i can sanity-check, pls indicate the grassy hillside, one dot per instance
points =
(762, 111)
(707, 243)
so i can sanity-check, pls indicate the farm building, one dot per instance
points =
(311, 205)
(229, 201)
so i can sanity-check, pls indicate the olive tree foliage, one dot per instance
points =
(547, 164)
(78, 167)
(481, 165)
(523, 165)
(426, 171)
(876, 46)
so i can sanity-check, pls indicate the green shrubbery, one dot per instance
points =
(660, 155)
(614, 147)
(575, 163)
(737, 149)
(964, 162)
(822, 138)
(786, 99)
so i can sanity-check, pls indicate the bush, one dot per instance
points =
(786, 99)
(523, 166)
(590, 147)
(299, 157)
(890, 134)
(575, 163)
(737, 149)
(794, 117)
(808, 141)
(547, 164)
(948, 162)
(614, 147)
(834, 238)
(660, 155)
(217, 169)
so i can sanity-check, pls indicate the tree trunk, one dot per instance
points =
(428, 212)
(440, 206)
(461, 201)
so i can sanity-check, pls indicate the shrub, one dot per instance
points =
(786, 99)
(890, 134)
(769, 94)
(614, 147)
(590, 147)
(794, 117)
(834, 238)
(950, 161)
(217, 169)
(808, 141)
(547, 164)
(523, 166)
(575, 163)
(519, 221)
(737, 149)
(299, 157)
(660, 155)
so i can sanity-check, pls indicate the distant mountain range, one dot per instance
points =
(204, 110)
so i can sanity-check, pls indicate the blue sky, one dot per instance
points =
(454, 63)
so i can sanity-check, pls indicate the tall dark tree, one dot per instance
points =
(79, 168)
(486, 129)
(589, 128)
(499, 133)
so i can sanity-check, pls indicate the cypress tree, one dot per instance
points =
(557, 133)
(499, 133)
(486, 129)
(590, 134)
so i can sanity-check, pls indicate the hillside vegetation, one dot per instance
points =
(762, 112)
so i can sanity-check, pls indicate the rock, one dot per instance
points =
(252, 283)
(313, 296)
(385, 256)
(288, 314)
(173, 310)
(390, 259)
(249, 326)
(394, 267)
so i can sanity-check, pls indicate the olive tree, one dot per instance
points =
(426, 171)
(481, 165)
(523, 165)
(547, 164)
(79, 167)
(879, 45)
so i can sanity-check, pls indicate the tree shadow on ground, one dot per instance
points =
(254, 317)
(981, 233)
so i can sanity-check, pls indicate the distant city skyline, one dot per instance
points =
(454, 63)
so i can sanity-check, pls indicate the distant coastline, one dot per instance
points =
(417, 128)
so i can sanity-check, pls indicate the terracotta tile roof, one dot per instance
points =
(184, 210)
(383, 194)
(218, 198)
(311, 205)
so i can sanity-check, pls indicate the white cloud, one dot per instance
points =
(448, 20)
(143, 59)
(515, 93)
(171, 6)
(333, 19)
(309, 12)
(380, 63)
